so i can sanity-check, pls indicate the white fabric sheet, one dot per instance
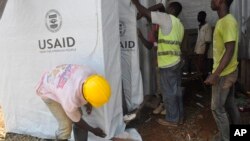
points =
(131, 74)
(37, 35)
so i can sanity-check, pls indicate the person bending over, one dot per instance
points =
(65, 89)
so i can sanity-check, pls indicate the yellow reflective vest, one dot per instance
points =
(168, 53)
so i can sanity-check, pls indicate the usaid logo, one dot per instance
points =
(122, 28)
(53, 20)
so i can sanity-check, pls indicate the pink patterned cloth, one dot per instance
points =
(63, 84)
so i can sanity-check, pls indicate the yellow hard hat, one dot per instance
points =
(96, 90)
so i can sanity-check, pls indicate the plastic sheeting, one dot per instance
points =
(131, 74)
(146, 56)
(37, 35)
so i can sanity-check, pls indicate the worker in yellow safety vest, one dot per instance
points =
(170, 37)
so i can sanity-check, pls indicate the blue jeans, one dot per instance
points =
(223, 105)
(172, 92)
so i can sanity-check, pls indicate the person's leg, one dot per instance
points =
(64, 123)
(170, 88)
(220, 95)
(193, 64)
(180, 96)
(124, 104)
(167, 101)
(80, 134)
(218, 110)
(231, 107)
(186, 67)
(210, 65)
(163, 87)
(200, 63)
(160, 108)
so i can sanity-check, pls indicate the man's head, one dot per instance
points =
(216, 4)
(96, 90)
(202, 16)
(174, 8)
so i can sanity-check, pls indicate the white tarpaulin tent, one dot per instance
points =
(86, 32)
(38, 35)
(131, 74)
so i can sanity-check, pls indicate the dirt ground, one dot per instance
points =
(2, 131)
(199, 124)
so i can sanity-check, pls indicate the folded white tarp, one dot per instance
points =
(131, 74)
(39, 34)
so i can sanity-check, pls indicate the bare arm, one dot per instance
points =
(224, 62)
(84, 125)
(145, 42)
(158, 7)
(226, 57)
(142, 10)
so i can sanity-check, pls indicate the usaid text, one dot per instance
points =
(57, 43)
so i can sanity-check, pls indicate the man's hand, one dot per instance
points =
(135, 1)
(138, 16)
(88, 108)
(98, 132)
(142, 10)
(212, 79)
(139, 33)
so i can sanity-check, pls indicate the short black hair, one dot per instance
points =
(177, 6)
(229, 2)
(203, 14)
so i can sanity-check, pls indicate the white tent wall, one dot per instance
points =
(89, 34)
(110, 39)
(131, 73)
(146, 56)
